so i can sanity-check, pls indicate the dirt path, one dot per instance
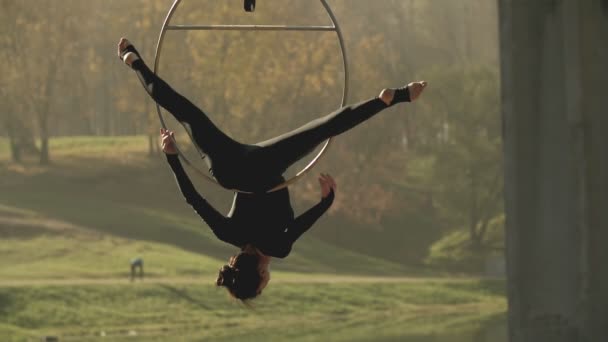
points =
(205, 280)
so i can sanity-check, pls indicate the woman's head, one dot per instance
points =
(241, 276)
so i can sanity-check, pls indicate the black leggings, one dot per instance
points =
(256, 167)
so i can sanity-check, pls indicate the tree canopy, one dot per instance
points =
(414, 172)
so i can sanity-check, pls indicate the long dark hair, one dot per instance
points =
(242, 279)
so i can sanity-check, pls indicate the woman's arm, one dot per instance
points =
(216, 221)
(303, 222)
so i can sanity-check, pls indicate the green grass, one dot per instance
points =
(35, 246)
(54, 257)
(69, 230)
(126, 194)
(304, 312)
(87, 145)
(80, 146)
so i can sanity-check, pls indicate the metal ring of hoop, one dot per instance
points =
(334, 27)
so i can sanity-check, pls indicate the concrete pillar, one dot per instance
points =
(594, 76)
(554, 77)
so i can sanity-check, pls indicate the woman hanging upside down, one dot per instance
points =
(261, 223)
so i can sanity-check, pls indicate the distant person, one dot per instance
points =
(137, 268)
(261, 224)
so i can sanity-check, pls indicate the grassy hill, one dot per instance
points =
(69, 230)
(108, 188)
(376, 312)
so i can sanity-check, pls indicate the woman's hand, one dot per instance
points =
(327, 184)
(168, 141)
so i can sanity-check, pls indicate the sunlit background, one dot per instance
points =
(412, 249)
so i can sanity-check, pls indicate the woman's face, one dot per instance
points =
(265, 275)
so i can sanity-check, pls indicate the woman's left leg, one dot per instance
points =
(281, 152)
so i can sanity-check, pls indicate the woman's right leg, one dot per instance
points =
(209, 138)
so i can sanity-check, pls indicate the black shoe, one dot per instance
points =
(129, 48)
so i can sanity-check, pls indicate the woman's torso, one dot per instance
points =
(257, 217)
(261, 219)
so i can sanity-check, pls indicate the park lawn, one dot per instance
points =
(109, 186)
(35, 246)
(69, 230)
(334, 311)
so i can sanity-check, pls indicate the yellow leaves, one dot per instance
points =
(143, 23)
(122, 103)
(93, 60)
(373, 42)
(314, 82)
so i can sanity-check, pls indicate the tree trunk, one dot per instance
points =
(14, 147)
(44, 140)
(44, 111)
(473, 210)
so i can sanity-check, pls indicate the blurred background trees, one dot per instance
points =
(408, 178)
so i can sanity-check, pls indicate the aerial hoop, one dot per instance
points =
(249, 7)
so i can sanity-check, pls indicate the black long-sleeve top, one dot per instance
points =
(265, 220)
